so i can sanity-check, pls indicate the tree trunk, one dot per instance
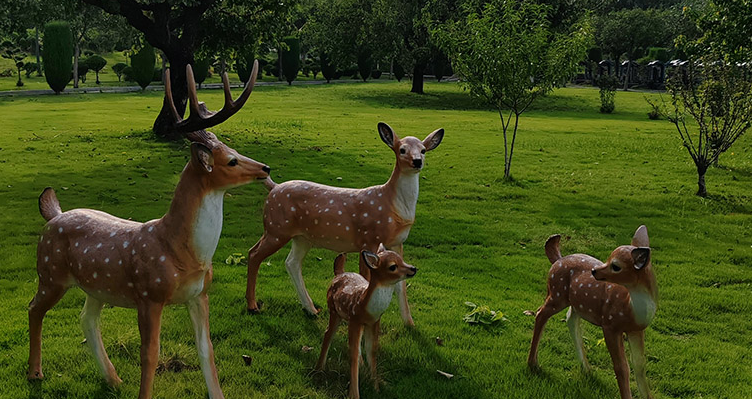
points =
(418, 78)
(626, 76)
(701, 190)
(76, 53)
(163, 125)
(36, 49)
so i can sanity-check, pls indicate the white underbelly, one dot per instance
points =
(188, 291)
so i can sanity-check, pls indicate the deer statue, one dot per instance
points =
(362, 302)
(620, 296)
(146, 265)
(342, 219)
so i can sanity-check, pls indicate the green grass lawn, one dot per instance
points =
(588, 176)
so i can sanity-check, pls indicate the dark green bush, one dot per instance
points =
(157, 75)
(96, 64)
(201, 70)
(327, 69)
(399, 72)
(57, 55)
(83, 69)
(142, 64)
(595, 54)
(128, 74)
(291, 59)
(119, 68)
(658, 53)
(608, 85)
(365, 64)
(375, 74)
(244, 65)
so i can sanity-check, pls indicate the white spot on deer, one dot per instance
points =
(292, 208)
(621, 313)
(158, 280)
(365, 215)
(112, 234)
(326, 210)
(380, 194)
(151, 228)
(130, 285)
(46, 258)
(125, 244)
(108, 275)
(162, 258)
(339, 212)
(610, 317)
(143, 245)
(133, 251)
(175, 275)
(558, 294)
(99, 245)
(347, 228)
(390, 219)
(145, 293)
(380, 207)
(331, 201)
(371, 202)
(288, 195)
(315, 221)
(59, 229)
(94, 275)
(44, 293)
(76, 245)
(106, 260)
(48, 241)
(580, 306)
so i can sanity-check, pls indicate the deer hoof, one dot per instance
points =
(35, 375)
(257, 309)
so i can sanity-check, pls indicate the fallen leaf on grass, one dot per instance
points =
(439, 341)
(306, 349)
(235, 258)
(482, 315)
(447, 375)
(528, 313)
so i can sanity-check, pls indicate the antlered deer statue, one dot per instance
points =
(146, 265)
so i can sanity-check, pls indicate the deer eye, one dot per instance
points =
(615, 267)
(393, 267)
(233, 162)
(423, 151)
(402, 151)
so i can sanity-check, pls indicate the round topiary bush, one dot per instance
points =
(96, 63)
(142, 64)
(201, 70)
(118, 69)
(57, 54)
(291, 59)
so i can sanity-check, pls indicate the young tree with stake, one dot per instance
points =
(507, 54)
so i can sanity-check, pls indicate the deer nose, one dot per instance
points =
(417, 163)
(414, 270)
(266, 169)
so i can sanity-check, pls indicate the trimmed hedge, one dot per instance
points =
(201, 70)
(291, 59)
(57, 54)
(399, 72)
(142, 64)
(244, 65)
(328, 70)
(96, 63)
(365, 64)
(119, 68)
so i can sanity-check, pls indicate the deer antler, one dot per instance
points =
(200, 118)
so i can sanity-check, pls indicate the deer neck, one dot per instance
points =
(195, 216)
(405, 187)
(377, 298)
(643, 298)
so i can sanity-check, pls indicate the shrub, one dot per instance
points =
(57, 55)
(96, 63)
(365, 64)
(128, 74)
(142, 64)
(656, 110)
(83, 69)
(244, 65)
(29, 68)
(595, 54)
(375, 74)
(399, 72)
(608, 85)
(291, 59)
(658, 53)
(157, 75)
(119, 68)
(200, 70)
(327, 68)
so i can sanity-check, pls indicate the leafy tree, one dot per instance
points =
(58, 54)
(607, 84)
(291, 58)
(143, 63)
(179, 28)
(82, 69)
(508, 56)
(15, 53)
(119, 68)
(96, 63)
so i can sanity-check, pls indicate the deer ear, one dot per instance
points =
(640, 238)
(203, 155)
(369, 258)
(434, 139)
(641, 257)
(387, 134)
(382, 248)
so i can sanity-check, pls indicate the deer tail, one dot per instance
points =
(339, 264)
(269, 183)
(552, 248)
(49, 206)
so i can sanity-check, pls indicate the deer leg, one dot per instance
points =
(149, 324)
(198, 308)
(371, 341)
(615, 344)
(355, 332)
(541, 318)
(264, 248)
(47, 296)
(401, 289)
(330, 331)
(637, 354)
(90, 325)
(575, 330)
(294, 264)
